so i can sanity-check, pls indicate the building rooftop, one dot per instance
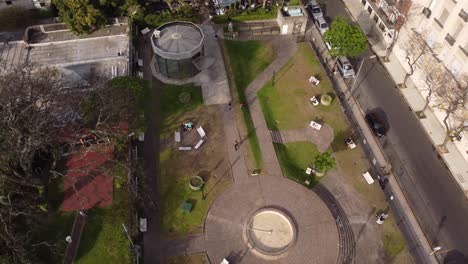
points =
(177, 38)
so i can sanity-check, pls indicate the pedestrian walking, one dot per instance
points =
(236, 145)
(230, 105)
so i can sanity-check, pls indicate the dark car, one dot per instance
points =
(376, 125)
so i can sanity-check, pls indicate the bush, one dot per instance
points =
(236, 15)
(184, 97)
(326, 99)
(324, 162)
(183, 13)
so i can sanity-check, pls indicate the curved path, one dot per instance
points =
(226, 222)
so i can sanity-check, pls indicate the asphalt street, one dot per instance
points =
(436, 199)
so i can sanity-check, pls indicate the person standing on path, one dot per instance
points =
(236, 145)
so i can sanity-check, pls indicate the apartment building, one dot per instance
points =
(28, 4)
(388, 15)
(445, 23)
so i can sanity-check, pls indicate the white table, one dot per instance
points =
(315, 125)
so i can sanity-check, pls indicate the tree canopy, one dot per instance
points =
(324, 162)
(345, 38)
(81, 16)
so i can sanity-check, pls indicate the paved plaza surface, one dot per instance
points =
(227, 223)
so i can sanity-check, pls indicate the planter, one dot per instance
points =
(196, 183)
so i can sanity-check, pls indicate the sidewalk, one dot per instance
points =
(417, 241)
(454, 159)
(285, 48)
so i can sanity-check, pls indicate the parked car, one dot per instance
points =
(345, 67)
(315, 9)
(321, 25)
(376, 124)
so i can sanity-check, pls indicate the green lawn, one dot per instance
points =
(294, 158)
(172, 108)
(103, 236)
(247, 59)
(56, 227)
(285, 103)
(176, 167)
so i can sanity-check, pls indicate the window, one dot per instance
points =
(369, 9)
(376, 18)
(457, 31)
(463, 15)
(363, 2)
(8, 2)
(443, 17)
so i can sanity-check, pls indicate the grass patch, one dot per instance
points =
(56, 227)
(393, 241)
(259, 14)
(246, 60)
(294, 158)
(173, 108)
(103, 236)
(176, 167)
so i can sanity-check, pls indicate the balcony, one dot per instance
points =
(450, 40)
(463, 15)
(438, 23)
(427, 12)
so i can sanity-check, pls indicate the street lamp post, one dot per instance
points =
(359, 70)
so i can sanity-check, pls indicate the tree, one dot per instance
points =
(120, 99)
(452, 98)
(81, 16)
(33, 106)
(346, 38)
(434, 80)
(415, 48)
(324, 162)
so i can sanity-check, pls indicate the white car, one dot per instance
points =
(315, 9)
(345, 67)
(322, 25)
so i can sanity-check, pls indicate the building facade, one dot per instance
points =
(388, 15)
(28, 4)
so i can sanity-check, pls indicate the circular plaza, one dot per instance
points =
(268, 219)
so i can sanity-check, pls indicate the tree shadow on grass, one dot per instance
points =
(338, 143)
(92, 229)
(292, 170)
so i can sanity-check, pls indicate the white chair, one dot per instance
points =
(314, 101)
(308, 171)
(140, 62)
(199, 144)
(201, 132)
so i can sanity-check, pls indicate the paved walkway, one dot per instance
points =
(285, 48)
(321, 138)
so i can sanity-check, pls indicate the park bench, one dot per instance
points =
(199, 144)
(201, 132)
(177, 136)
(185, 148)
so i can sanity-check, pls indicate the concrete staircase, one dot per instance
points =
(12, 54)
